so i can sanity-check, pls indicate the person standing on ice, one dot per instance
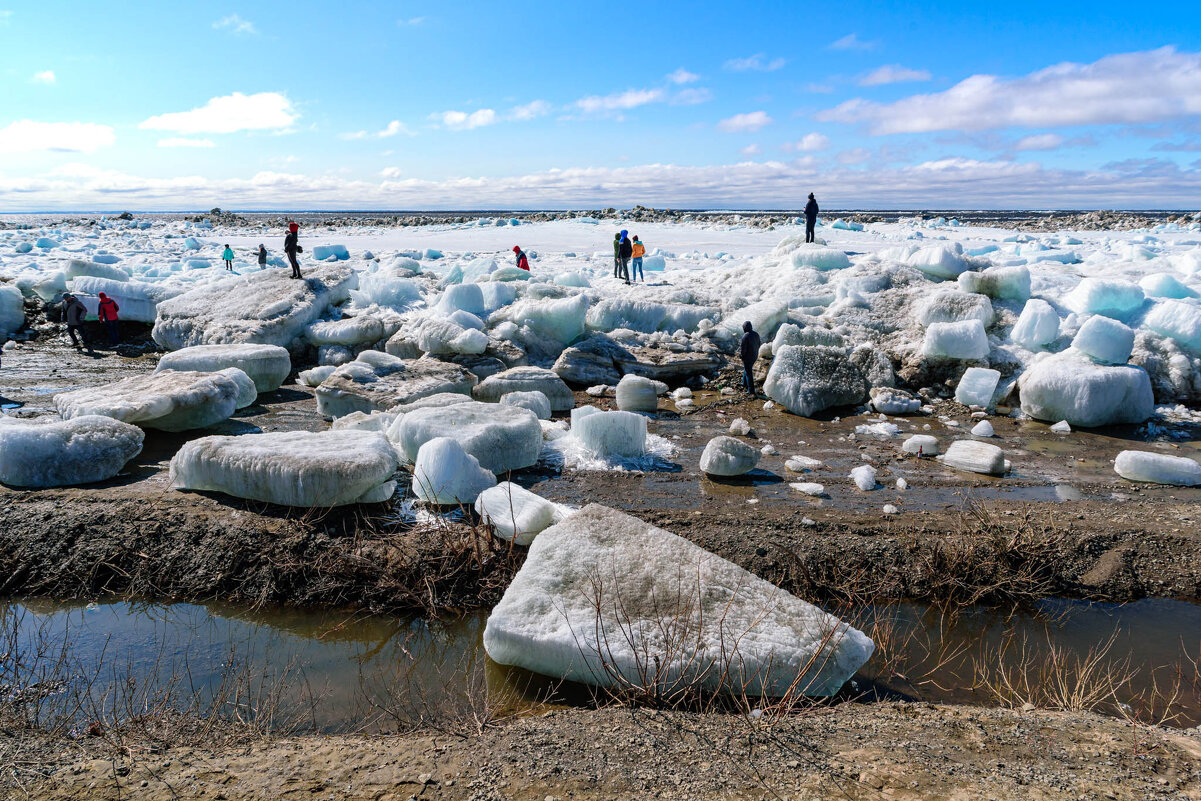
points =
(638, 250)
(262, 256)
(228, 255)
(624, 251)
(617, 255)
(73, 313)
(106, 312)
(748, 351)
(522, 262)
(810, 218)
(292, 247)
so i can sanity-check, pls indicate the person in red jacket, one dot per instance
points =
(106, 312)
(522, 261)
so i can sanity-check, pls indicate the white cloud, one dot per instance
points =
(390, 172)
(411, 21)
(235, 24)
(391, 129)
(751, 150)
(535, 108)
(756, 63)
(236, 112)
(856, 155)
(463, 121)
(745, 123)
(682, 75)
(813, 141)
(851, 42)
(1047, 141)
(691, 96)
(619, 101)
(893, 73)
(45, 76)
(1128, 88)
(179, 141)
(27, 136)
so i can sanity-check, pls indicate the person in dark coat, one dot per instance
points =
(74, 313)
(617, 255)
(748, 351)
(292, 247)
(625, 249)
(810, 218)
(262, 256)
(106, 312)
(522, 262)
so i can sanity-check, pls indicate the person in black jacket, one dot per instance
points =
(624, 251)
(748, 351)
(810, 218)
(262, 256)
(74, 313)
(292, 247)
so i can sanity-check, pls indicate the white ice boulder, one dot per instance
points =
(820, 258)
(560, 322)
(515, 513)
(887, 400)
(12, 310)
(350, 331)
(975, 457)
(323, 252)
(1165, 285)
(938, 262)
(378, 381)
(136, 300)
(606, 599)
(1109, 296)
(267, 365)
(247, 393)
(1072, 388)
(921, 445)
(169, 401)
(533, 400)
(501, 438)
(977, 386)
(78, 268)
(726, 456)
(952, 306)
(291, 468)
(266, 307)
(1002, 283)
(765, 316)
(608, 434)
(1105, 340)
(446, 475)
(646, 316)
(805, 379)
(963, 340)
(526, 379)
(637, 394)
(1178, 320)
(313, 376)
(983, 429)
(1158, 468)
(1037, 325)
(443, 336)
(47, 452)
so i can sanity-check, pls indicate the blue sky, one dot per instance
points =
(549, 105)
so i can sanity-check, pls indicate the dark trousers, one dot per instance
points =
(114, 332)
(809, 230)
(71, 329)
(625, 269)
(748, 377)
(617, 267)
(295, 265)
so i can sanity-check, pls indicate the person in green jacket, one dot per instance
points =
(617, 255)
(228, 255)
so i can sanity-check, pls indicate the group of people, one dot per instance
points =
(628, 252)
(74, 313)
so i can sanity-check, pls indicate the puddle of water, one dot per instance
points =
(355, 672)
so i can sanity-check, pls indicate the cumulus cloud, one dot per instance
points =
(756, 63)
(531, 110)
(466, 121)
(619, 101)
(852, 42)
(28, 136)
(683, 76)
(751, 150)
(745, 123)
(180, 141)
(893, 73)
(235, 24)
(691, 96)
(229, 114)
(390, 172)
(1128, 88)
(813, 141)
(45, 76)
(1046, 141)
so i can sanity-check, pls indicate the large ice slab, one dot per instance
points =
(606, 599)
(608, 434)
(515, 513)
(267, 365)
(267, 307)
(1179, 320)
(137, 301)
(819, 257)
(952, 306)
(637, 394)
(977, 386)
(1002, 283)
(1104, 340)
(291, 468)
(962, 340)
(1158, 468)
(647, 316)
(975, 457)
(939, 262)
(378, 381)
(1072, 388)
(726, 456)
(12, 310)
(1037, 325)
(806, 379)
(446, 475)
(58, 453)
(170, 401)
(350, 331)
(502, 438)
(1109, 296)
(526, 379)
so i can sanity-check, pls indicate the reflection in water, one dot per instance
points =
(351, 671)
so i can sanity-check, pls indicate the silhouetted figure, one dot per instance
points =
(292, 247)
(262, 256)
(748, 351)
(625, 249)
(810, 218)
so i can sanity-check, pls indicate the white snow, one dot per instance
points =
(56, 453)
(864, 477)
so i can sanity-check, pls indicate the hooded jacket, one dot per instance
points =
(108, 309)
(522, 261)
(811, 210)
(227, 254)
(74, 311)
(748, 348)
(625, 248)
(290, 242)
(638, 250)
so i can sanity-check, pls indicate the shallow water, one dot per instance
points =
(336, 671)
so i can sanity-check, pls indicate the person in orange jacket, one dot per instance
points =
(522, 261)
(638, 250)
(106, 312)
